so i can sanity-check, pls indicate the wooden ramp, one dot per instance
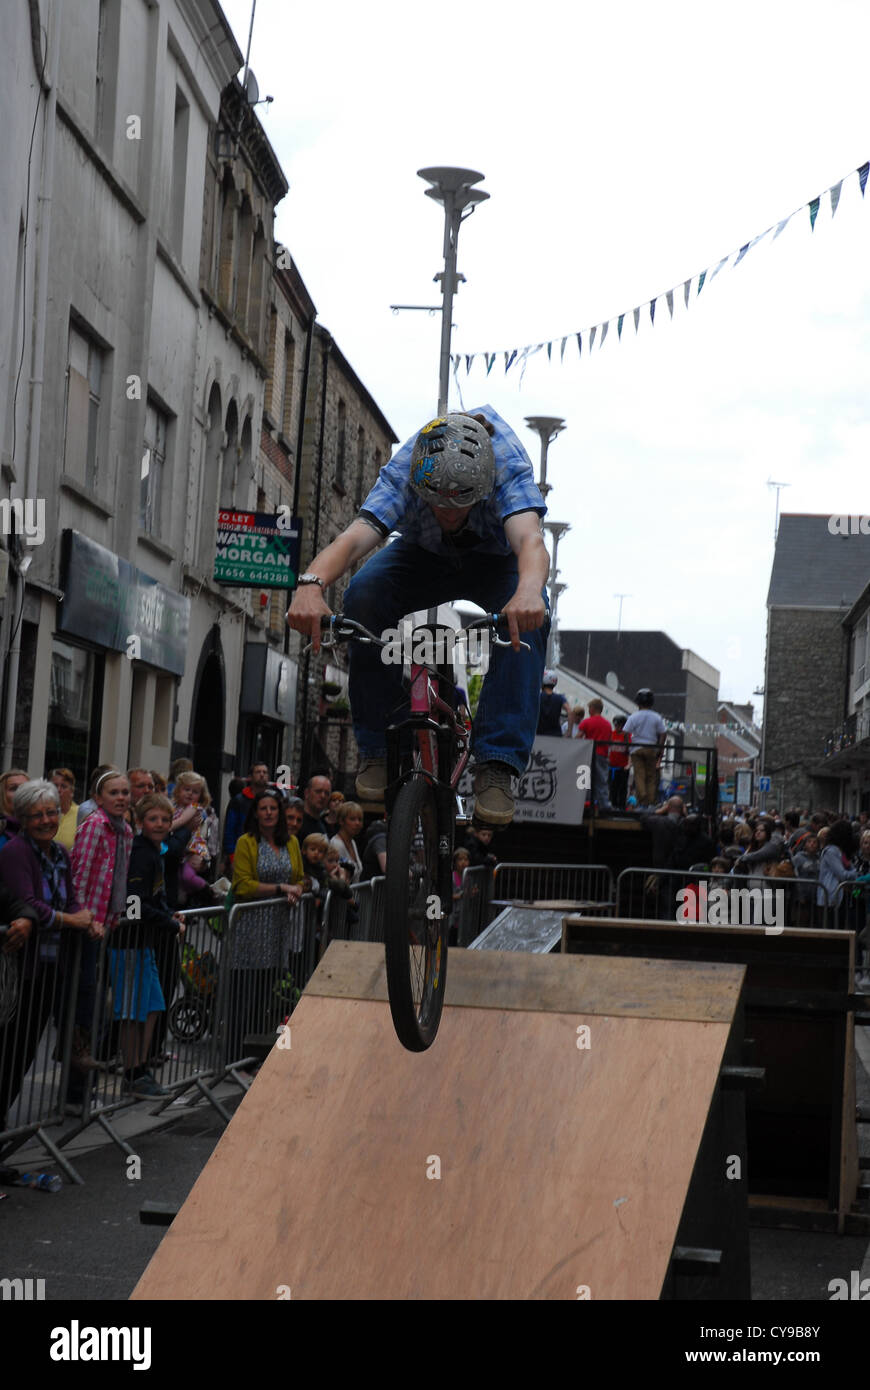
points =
(505, 1162)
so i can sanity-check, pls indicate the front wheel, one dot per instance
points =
(415, 918)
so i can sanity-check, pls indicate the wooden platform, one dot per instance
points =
(801, 1128)
(505, 1162)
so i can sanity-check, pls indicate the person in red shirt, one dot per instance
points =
(618, 761)
(596, 727)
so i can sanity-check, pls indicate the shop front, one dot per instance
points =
(267, 712)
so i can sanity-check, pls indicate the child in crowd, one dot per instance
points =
(136, 992)
(461, 861)
(314, 851)
(190, 790)
(334, 867)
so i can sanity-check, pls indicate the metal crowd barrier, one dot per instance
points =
(369, 897)
(576, 883)
(660, 894)
(216, 995)
(38, 989)
(472, 914)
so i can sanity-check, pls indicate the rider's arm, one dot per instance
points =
(526, 610)
(309, 605)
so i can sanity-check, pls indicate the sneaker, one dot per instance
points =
(493, 798)
(145, 1087)
(371, 780)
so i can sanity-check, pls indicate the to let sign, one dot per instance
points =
(257, 550)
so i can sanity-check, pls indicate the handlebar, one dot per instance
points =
(341, 628)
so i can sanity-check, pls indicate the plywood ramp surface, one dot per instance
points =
(505, 1162)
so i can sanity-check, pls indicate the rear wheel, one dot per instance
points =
(415, 917)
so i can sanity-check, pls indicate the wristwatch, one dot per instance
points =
(309, 579)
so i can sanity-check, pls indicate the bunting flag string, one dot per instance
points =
(699, 280)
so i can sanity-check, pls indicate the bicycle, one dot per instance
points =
(427, 754)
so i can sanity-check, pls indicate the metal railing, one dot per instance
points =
(472, 913)
(574, 883)
(38, 989)
(684, 895)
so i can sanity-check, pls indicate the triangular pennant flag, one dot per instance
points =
(835, 196)
(619, 322)
(527, 353)
(781, 226)
(686, 288)
(652, 311)
(743, 251)
(636, 313)
(592, 333)
(719, 266)
(549, 352)
(579, 337)
(862, 176)
(670, 301)
(604, 328)
(701, 278)
(508, 361)
(468, 362)
(814, 212)
(489, 358)
(562, 352)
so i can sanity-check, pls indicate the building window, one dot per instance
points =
(360, 466)
(341, 450)
(180, 133)
(289, 370)
(153, 461)
(81, 426)
(70, 740)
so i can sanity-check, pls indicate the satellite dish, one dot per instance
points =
(252, 90)
(611, 680)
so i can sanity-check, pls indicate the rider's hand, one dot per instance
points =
(306, 610)
(523, 613)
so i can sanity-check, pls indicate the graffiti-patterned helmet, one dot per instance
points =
(452, 462)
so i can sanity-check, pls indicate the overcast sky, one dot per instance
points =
(625, 148)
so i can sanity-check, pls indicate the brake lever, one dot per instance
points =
(502, 642)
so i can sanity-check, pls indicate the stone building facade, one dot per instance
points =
(103, 618)
(346, 441)
(816, 578)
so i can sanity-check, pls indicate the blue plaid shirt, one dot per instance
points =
(394, 506)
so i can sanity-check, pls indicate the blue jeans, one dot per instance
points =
(404, 578)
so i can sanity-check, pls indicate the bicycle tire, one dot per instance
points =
(416, 971)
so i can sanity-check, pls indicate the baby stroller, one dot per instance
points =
(190, 1016)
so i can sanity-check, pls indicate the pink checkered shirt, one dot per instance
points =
(93, 864)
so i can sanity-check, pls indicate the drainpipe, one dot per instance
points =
(38, 351)
(306, 669)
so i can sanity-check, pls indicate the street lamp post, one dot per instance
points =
(453, 188)
(547, 426)
(557, 530)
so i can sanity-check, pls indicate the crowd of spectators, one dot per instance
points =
(122, 863)
(826, 853)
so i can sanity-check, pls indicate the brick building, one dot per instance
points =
(346, 442)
